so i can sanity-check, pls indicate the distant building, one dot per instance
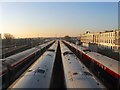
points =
(117, 40)
(107, 39)
(86, 38)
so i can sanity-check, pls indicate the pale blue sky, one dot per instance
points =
(25, 19)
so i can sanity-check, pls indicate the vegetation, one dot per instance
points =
(8, 36)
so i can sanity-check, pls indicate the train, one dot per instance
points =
(39, 74)
(105, 68)
(13, 66)
(76, 73)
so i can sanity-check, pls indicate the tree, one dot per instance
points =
(8, 36)
(8, 39)
(67, 37)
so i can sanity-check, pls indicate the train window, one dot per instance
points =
(104, 68)
(52, 50)
(87, 73)
(67, 52)
(101, 66)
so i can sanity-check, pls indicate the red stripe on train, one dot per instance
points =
(21, 61)
(114, 74)
(18, 63)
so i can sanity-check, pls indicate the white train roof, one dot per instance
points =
(77, 75)
(39, 74)
(77, 47)
(25, 53)
(110, 63)
(11, 60)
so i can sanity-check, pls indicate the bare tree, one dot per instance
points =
(9, 40)
(67, 37)
(8, 36)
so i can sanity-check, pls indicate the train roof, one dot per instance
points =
(23, 54)
(39, 74)
(110, 63)
(77, 75)
(11, 60)
(82, 49)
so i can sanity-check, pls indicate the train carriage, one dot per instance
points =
(40, 73)
(14, 65)
(107, 69)
(76, 74)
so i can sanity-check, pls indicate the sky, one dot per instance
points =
(57, 19)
